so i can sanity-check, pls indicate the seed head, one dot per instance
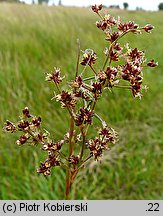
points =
(77, 82)
(36, 122)
(9, 126)
(96, 8)
(55, 76)
(89, 57)
(148, 28)
(22, 139)
(152, 63)
(26, 112)
(24, 125)
(84, 116)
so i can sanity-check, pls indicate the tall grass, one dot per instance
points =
(33, 40)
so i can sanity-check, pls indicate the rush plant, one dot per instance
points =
(122, 68)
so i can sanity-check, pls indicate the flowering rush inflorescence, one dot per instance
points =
(81, 97)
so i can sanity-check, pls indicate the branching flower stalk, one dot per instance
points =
(80, 99)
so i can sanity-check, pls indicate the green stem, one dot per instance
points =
(99, 118)
(119, 86)
(89, 78)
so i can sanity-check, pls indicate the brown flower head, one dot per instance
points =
(102, 25)
(113, 36)
(23, 125)
(73, 159)
(97, 89)
(77, 82)
(117, 47)
(55, 76)
(129, 70)
(26, 112)
(111, 73)
(110, 20)
(89, 57)
(128, 26)
(96, 8)
(9, 126)
(23, 139)
(66, 99)
(136, 83)
(50, 146)
(101, 76)
(97, 147)
(44, 169)
(46, 166)
(84, 116)
(148, 28)
(108, 135)
(152, 63)
(36, 121)
(114, 56)
(136, 56)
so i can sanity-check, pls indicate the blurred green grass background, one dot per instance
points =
(33, 40)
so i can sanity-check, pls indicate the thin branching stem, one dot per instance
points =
(93, 69)
(68, 174)
(124, 87)
(78, 58)
(89, 78)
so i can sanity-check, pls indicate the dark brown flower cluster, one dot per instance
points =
(105, 23)
(77, 83)
(132, 69)
(84, 116)
(148, 28)
(152, 63)
(46, 166)
(97, 8)
(30, 126)
(89, 57)
(96, 89)
(53, 158)
(124, 27)
(101, 143)
(52, 147)
(67, 99)
(55, 76)
(107, 77)
(9, 126)
(74, 159)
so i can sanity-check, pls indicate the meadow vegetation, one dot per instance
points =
(33, 40)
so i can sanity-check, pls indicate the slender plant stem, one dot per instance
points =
(78, 57)
(89, 78)
(83, 142)
(99, 118)
(93, 69)
(100, 16)
(68, 174)
(81, 165)
(124, 87)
